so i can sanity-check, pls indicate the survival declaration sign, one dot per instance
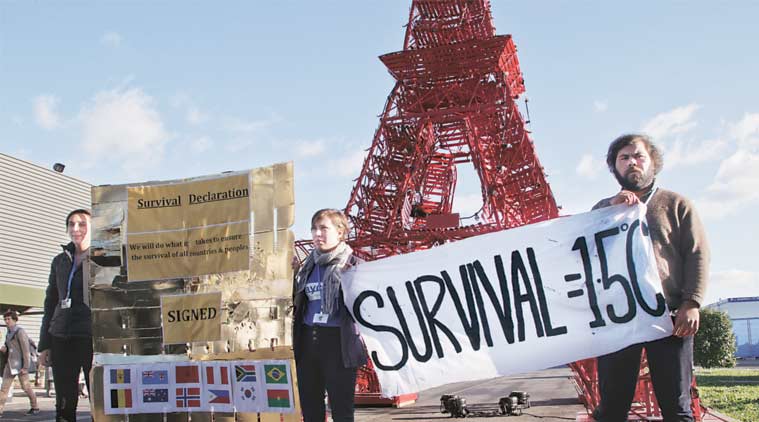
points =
(510, 302)
(189, 228)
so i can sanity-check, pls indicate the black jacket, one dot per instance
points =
(75, 321)
(351, 344)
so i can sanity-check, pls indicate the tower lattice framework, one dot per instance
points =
(454, 102)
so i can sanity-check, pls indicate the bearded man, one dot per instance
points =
(682, 258)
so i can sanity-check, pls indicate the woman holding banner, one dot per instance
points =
(328, 349)
(66, 333)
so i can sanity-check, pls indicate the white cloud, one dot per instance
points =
(732, 283)
(195, 116)
(309, 148)
(590, 166)
(673, 122)
(348, 165)
(243, 126)
(600, 106)
(467, 204)
(746, 131)
(689, 152)
(734, 185)
(45, 111)
(200, 145)
(111, 39)
(123, 126)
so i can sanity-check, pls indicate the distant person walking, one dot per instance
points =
(17, 362)
(66, 333)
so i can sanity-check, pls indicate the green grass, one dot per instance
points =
(734, 392)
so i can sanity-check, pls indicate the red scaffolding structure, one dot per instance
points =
(453, 102)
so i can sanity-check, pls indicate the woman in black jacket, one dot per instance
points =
(328, 349)
(66, 333)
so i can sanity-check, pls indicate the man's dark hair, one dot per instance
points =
(77, 211)
(629, 139)
(12, 314)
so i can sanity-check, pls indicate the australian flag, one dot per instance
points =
(155, 395)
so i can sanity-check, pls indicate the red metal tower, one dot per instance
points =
(453, 102)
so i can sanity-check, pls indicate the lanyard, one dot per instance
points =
(653, 192)
(71, 277)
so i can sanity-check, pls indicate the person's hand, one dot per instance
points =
(22, 371)
(45, 358)
(687, 319)
(3, 349)
(625, 197)
(295, 263)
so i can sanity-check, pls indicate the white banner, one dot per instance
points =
(510, 302)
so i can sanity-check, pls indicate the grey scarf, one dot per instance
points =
(335, 260)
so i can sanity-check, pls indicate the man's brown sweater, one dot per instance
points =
(680, 246)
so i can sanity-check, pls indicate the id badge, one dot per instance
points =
(66, 303)
(321, 318)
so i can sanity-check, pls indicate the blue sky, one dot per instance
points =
(144, 90)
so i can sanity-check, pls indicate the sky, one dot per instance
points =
(155, 90)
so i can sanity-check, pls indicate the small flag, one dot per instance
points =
(155, 377)
(278, 398)
(217, 377)
(187, 374)
(120, 376)
(155, 395)
(121, 398)
(245, 373)
(220, 396)
(275, 374)
(188, 397)
(248, 393)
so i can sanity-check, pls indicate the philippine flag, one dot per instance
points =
(217, 386)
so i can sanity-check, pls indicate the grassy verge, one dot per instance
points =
(734, 392)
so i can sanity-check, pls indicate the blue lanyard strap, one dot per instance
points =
(71, 277)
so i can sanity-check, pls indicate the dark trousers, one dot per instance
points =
(670, 361)
(320, 367)
(70, 355)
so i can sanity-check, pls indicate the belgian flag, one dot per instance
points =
(121, 398)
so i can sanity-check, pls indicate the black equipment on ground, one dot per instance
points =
(523, 398)
(455, 405)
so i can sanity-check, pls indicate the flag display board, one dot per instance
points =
(549, 293)
(191, 317)
(244, 386)
(188, 228)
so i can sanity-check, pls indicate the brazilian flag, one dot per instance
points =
(276, 374)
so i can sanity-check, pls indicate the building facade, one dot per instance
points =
(744, 313)
(34, 202)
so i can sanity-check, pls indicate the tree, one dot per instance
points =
(714, 345)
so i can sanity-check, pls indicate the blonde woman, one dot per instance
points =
(328, 349)
(18, 362)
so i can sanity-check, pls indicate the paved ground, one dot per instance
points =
(552, 396)
(551, 391)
